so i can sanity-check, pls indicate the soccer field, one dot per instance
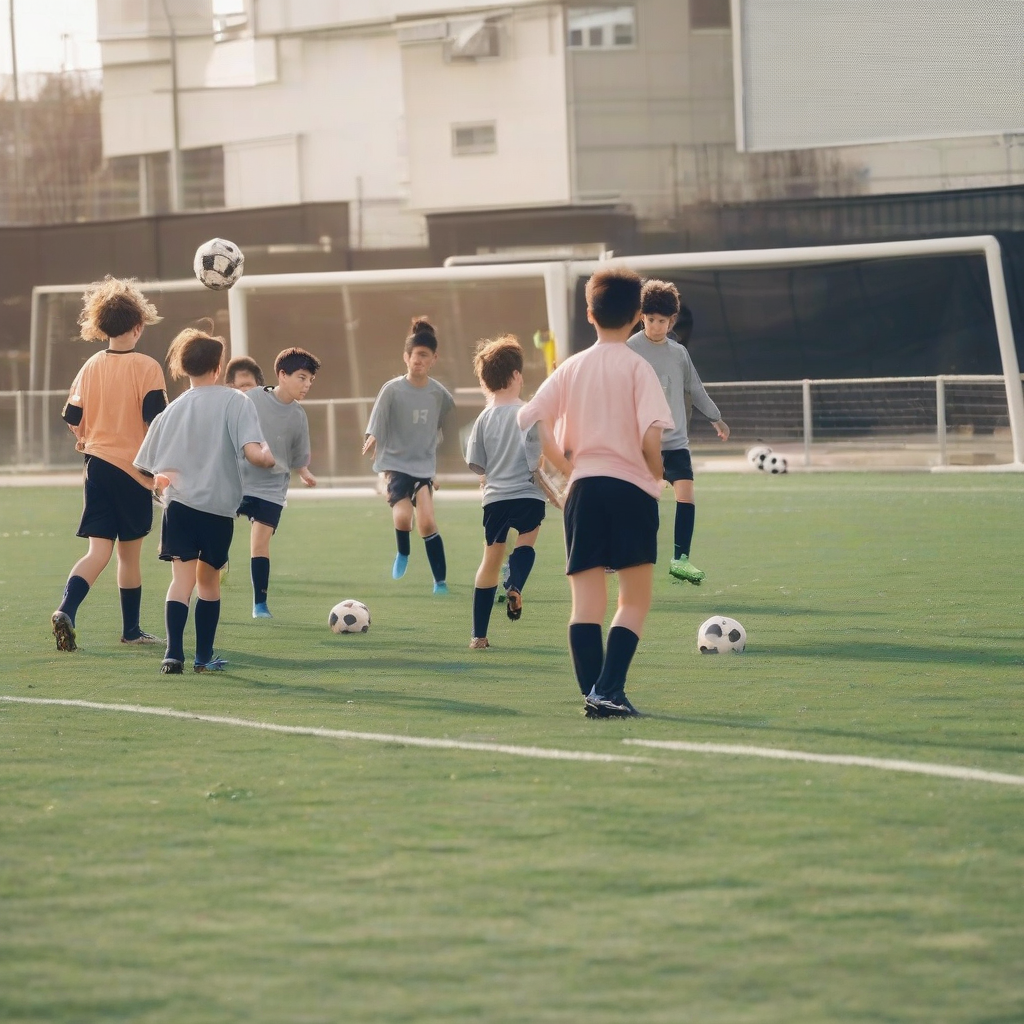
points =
(162, 869)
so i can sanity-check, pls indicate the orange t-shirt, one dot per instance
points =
(110, 389)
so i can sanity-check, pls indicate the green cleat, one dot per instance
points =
(681, 569)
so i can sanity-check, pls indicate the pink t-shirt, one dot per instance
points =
(601, 402)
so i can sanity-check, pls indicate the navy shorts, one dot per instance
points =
(116, 506)
(678, 465)
(523, 515)
(402, 486)
(609, 523)
(186, 534)
(259, 510)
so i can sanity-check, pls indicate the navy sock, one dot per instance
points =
(622, 644)
(403, 542)
(259, 570)
(586, 648)
(520, 562)
(175, 617)
(131, 603)
(685, 513)
(207, 617)
(483, 602)
(74, 594)
(435, 556)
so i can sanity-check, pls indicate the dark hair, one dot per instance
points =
(243, 364)
(291, 360)
(114, 307)
(421, 335)
(194, 353)
(684, 325)
(495, 361)
(613, 297)
(660, 298)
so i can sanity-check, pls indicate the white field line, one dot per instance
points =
(851, 760)
(547, 753)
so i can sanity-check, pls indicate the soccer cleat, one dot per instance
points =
(63, 631)
(514, 608)
(398, 569)
(479, 643)
(616, 706)
(171, 667)
(440, 589)
(682, 569)
(215, 665)
(261, 611)
(142, 639)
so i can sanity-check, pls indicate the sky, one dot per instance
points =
(50, 34)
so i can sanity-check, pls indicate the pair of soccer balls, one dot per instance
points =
(218, 264)
(349, 617)
(763, 458)
(721, 635)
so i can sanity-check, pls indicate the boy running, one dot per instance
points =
(116, 395)
(659, 308)
(610, 412)
(192, 450)
(265, 491)
(506, 458)
(403, 432)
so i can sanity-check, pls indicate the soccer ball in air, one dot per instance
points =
(721, 635)
(218, 263)
(757, 455)
(349, 617)
(775, 464)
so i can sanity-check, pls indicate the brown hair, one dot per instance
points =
(291, 360)
(421, 335)
(660, 298)
(244, 364)
(613, 297)
(114, 307)
(194, 353)
(495, 361)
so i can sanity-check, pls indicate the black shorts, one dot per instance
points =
(610, 524)
(678, 465)
(259, 510)
(402, 486)
(116, 506)
(523, 515)
(186, 534)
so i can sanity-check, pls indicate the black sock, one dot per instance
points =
(74, 594)
(684, 528)
(131, 602)
(259, 570)
(435, 556)
(586, 647)
(621, 648)
(402, 537)
(520, 562)
(207, 617)
(175, 617)
(483, 601)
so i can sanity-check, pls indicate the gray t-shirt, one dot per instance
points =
(406, 421)
(504, 454)
(196, 441)
(286, 429)
(678, 378)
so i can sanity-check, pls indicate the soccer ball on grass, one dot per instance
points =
(721, 635)
(775, 463)
(218, 263)
(757, 455)
(349, 617)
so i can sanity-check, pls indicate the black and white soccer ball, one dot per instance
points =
(218, 263)
(757, 455)
(721, 635)
(775, 463)
(349, 617)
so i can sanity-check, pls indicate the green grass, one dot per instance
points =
(169, 871)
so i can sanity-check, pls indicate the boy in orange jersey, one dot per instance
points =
(116, 395)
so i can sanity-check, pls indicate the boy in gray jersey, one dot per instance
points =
(403, 432)
(506, 458)
(286, 429)
(659, 307)
(192, 451)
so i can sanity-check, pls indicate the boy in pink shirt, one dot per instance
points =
(607, 408)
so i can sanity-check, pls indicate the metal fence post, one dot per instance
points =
(332, 439)
(940, 418)
(19, 427)
(808, 423)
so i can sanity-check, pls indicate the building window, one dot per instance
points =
(601, 28)
(468, 139)
(478, 39)
(710, 14)
(230, 19)
(202, 178)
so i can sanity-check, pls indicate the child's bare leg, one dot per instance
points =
(401, 516)
(259, 567)
(586, 643)
(82, 576)
(94, 561)
(485, 585)
(636, 588)
(490, 566)
(426, 524)
(259, 540)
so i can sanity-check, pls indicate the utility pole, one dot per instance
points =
(19, 159)
(175, 168)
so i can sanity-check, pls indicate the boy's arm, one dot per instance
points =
(652, 452)
(702, 401)
(377, 425)
(302, 453)
(258, 453)
(556, 458)
(73, 411)
(306, 477)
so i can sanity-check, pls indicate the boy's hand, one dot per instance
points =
(722, 429)
(369, 443)
(306, 477)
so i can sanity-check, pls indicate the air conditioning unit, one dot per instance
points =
(476, 39)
